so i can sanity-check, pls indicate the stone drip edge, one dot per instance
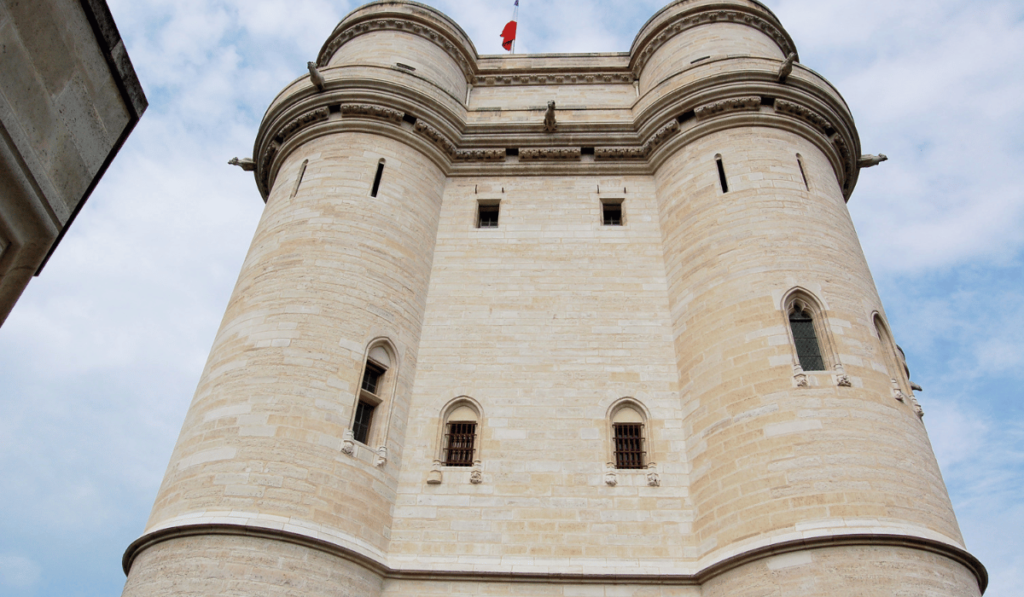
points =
(717, 569)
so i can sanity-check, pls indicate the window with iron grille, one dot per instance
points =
(612, 213)
(629, 445)
(361, 425)
(807, 348)
(459, 444)
(487, 217)
(371, 377)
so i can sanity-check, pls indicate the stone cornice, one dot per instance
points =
(641, 152)
(456, 154)
(806, 114)
(566, 77)
(372, 111)
(724, 12)
(698, 577)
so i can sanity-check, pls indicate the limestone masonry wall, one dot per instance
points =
(760, 472)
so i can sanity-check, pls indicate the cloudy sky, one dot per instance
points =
(99, 359)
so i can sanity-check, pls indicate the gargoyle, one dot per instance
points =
(550, 125)
(867, 161)
(316, 77)
(245, 164)
(787, 67)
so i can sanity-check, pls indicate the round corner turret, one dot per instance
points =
(405, 35)
(686, 33)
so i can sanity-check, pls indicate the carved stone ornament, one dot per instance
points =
(736, 104)
(917, 406)
(710, 14)
(316, 77)
(459, 155)
(844, 151)
(653, 479)
(787, 67)
(641, 152)
(799, 377)
(807, 115)
(550, 153)
(842, 379)
(476, 477)
(610, 478)
(372, 111)
(395, 23)
(297, 124)
(434, 476)
(550, 125)
(870, 161)
(897, 393)
(565, 78)
(246, 164)
(348, 443)
(382, 457)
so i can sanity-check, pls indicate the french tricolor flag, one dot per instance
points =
(508, 34)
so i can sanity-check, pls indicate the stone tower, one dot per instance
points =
(625, 343)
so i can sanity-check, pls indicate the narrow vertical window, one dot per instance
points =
(302, 174)
(806, 340)
(487, 215)
(629, 445)
(376, 179)
(361, 425)
(611, 214)
(371, 378)
(721, 174)
(459, 443)
(803, 173)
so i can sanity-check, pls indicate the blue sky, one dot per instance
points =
(99, 360)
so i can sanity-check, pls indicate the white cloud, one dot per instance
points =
(17, 572)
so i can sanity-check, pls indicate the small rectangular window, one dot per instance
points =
(459, 444)
(371, 378)
(629, 445)
(611, 214)
(487, 215)
(361, 425)
(376, 179)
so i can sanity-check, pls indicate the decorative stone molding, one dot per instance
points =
(610, 478)
(396, 23)
(799, 377)
(563, 78)
(348, 443)
(807, 115)
(307, 119)
(847, 155)
(550, 153)
(842, 379)
(736, 104)
(372, 111)
(917, 406)
(638, 153)
(459, 155)
(653, 479)
(382, 457)
(477, 476)
(434, 476)
(707, 15)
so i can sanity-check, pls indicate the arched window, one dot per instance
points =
(630, 446)
(808, 333)
(374, 388)
(459, 446)
(808, 351)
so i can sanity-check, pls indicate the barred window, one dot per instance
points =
(459, 443)
(629, 446)
(806, 340)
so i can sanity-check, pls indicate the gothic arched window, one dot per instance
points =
(808, 350)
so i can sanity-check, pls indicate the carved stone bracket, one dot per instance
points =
(737, 104)
(488, 80)
(610, 478)
(711, 15)
(460, 155)
(382, 457)
(340, 38)
(806, 114)
(799, 377)
(653, 478)
(638, 153)
(434, 476)
(917, 406)
(550, 153)
(477, 476)
(372, 111)
(842, 379)
(348, 444)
